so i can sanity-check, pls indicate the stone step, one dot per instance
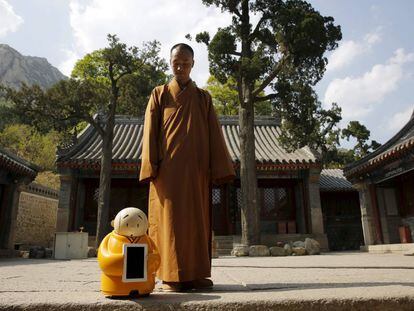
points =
(224, 238)
(223, 252)
(224, 244)
(9, 253)
(227, 243)
(229, 248)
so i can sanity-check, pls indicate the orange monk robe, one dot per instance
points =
(183, 152)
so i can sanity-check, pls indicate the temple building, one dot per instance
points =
(15, 172)
(385, 181)
(289, 192)
(341, 212)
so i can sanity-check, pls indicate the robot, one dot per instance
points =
(130, 227)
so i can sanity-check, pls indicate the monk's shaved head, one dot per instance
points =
(182, 46)
(182, 61)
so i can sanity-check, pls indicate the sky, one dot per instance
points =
(370, 75)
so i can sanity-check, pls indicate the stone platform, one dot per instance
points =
(331, 281)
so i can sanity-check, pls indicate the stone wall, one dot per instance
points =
(36, 216)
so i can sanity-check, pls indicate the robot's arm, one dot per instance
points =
(110, 263)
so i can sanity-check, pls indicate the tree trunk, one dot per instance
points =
(250, 221)
(102, 225)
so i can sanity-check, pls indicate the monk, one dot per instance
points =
(183, 152)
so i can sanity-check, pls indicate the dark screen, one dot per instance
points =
(135, 263)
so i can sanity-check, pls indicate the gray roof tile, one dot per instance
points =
(11, 162)
(334, 180)
(128, 143)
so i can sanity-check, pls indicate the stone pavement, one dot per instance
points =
(331, 281)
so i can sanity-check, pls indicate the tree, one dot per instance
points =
(361, 134)
(135, 86)
(304, 122)
(224, 95)
(7, 116)
(28, 143)
(285, 47)
(226, 98)
(108, 81)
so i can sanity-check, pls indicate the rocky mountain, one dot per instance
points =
(16, 68)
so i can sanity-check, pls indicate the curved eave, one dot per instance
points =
(67, 151)
(17, 166)
(385, 153)
(381, 159)
(134, 165)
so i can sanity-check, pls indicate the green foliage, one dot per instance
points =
(304, 122)
(7, 115)
(92, 67)
(134, 71)
(28, 143)
(284, 54)
(361, 134)
(226, 98)
(116, 79)
(290, 30)
(338, 158)
(48, 179)
(201, 37)
(61, 107)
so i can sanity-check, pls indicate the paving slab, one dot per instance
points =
(332, 281)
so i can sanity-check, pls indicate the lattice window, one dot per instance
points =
(281, 195)
(238, 199)
(96, 195)
(268, 199)
(216, 196)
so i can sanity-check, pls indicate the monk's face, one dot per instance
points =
(181, 63)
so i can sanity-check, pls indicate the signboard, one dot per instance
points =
(393, 169)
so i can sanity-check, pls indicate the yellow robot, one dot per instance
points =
(130, 227)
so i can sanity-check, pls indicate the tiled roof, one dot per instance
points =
(398, 145)
(334, 180)
(17, 165)
(128, 144)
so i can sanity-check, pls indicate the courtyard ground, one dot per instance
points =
(331, 281)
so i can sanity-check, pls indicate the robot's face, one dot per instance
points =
(130, 222)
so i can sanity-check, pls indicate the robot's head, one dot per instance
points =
(130, 222)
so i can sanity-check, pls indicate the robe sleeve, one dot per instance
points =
(150, 153)
(221, 166)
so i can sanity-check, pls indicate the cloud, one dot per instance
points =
(399, 119)
(9, 20)
(357, 96)
(349, 50)
(67, 65)
(138, 21)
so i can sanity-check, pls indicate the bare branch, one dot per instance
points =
(122, 74)
(95, 124)
(278, 67)
(233, 9)
(235, 53)
(264, 98)
(255, 32)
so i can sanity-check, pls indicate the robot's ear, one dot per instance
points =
(112, 223)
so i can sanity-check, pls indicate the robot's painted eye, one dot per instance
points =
(137, 225)
(127, 224)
